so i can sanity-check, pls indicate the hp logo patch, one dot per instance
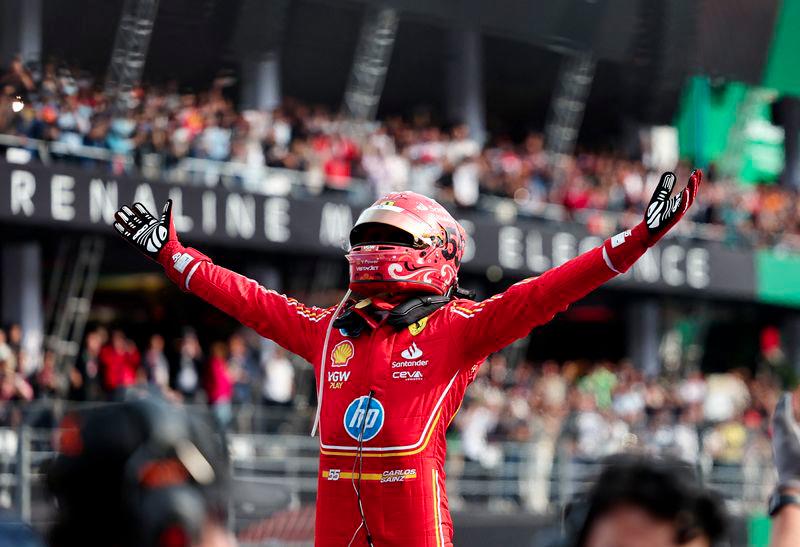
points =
(357, 413)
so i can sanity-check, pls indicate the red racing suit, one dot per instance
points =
(417, 377)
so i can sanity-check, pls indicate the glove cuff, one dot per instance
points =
(180, 263)
(625, 248)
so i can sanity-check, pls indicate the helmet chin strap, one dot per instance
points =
(386, 301)
(323, 359)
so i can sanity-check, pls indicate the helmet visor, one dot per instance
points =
(375, 233)
(392, 225)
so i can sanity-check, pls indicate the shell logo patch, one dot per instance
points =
(418, 327)
(342, 353)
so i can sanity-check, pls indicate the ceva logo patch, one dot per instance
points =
(407, 375)
(358, 417)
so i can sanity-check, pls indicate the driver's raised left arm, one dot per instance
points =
(485, 327)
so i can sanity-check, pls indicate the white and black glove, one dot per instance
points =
(663, 212)
(157, 239)
(144, 231)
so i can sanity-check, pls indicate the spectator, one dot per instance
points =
(190, 361)
(639, 502)
(47, 384)
(686, 437)
(18, 80)
(119, 364)
(6, 352)
(600, 383)
(243, 369)
(552, 386)
(169, 460)
(15, 341)
(629, 398)
(13, 387)
(479, 422)
(278, 387)
(727, 396)
(726, 442)
(156, 364)
(83, 377)
(655, 396)
(218, 386)
(215, 140)
(692, 390)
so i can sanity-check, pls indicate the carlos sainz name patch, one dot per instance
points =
(390, 475)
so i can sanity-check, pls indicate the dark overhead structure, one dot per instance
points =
(505, 57)
(258, 38)
(569, 101)
(130, 49)
(371, 62)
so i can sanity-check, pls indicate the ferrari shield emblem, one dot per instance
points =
(418, 327)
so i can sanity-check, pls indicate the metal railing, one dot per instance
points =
(277, 474)
(259, 179)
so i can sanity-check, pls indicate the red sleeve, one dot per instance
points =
(292, 325)
(488, 326)
(286, 321)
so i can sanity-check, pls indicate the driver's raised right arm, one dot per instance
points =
(291, 324)
(284, 320)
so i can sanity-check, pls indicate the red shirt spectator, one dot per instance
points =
(218, 385)
(119, 362)
(576, 199)
(337, 171)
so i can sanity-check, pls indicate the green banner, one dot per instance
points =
(781, 72)
(777, 276)
(755, 145)
(731, 125)
(705, 118)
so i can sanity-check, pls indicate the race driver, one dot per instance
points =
(393, 359)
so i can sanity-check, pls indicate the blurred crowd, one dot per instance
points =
(550, 423)
(533, 426)
(592, 409)
(601, 408)
(232, 373)
(157, 127)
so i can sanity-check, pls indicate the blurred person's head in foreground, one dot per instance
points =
(139, 473)
(646, 502)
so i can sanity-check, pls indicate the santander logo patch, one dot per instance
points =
(411, 352)
(411, 358)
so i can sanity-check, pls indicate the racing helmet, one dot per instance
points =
(405, 243)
